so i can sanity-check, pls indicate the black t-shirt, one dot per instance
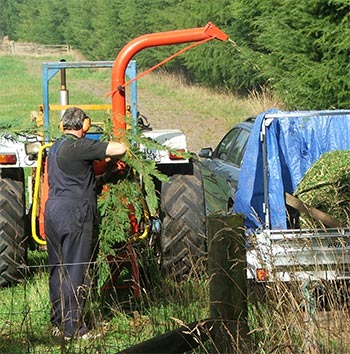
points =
(77, 154)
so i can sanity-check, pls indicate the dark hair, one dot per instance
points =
(73, 118)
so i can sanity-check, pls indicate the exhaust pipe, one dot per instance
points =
(64, 94)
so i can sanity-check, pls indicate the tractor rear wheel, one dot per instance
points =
(183, 241)
(12, 226)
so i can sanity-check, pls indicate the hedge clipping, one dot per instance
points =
(326, 186)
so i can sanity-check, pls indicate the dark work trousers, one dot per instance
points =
(69, 230)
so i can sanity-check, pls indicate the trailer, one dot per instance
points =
(281, 148)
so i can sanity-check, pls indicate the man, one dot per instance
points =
(69, 218)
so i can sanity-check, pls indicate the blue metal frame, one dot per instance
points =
(50, 69)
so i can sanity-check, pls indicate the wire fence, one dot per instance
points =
(120, 319)
(18, 48)
(287, 314)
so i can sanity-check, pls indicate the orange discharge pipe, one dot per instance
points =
(136, 45)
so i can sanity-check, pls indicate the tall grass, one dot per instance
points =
(119, 318)
(283, 318)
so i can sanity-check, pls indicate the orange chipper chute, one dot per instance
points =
(121, 62)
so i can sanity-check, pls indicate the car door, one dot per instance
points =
(221, 171)
(234, 160)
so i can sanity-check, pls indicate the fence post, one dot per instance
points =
(227, 283)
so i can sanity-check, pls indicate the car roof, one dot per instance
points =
(248, 123)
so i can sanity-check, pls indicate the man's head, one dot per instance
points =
(75, 118)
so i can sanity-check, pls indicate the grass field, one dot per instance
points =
(284, 321)
(203, 115)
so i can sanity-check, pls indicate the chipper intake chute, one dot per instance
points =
(208, 32)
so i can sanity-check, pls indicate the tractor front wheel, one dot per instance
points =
(12, 226)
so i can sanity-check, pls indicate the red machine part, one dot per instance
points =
(150, 40)
(119, 105)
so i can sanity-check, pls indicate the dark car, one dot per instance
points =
(220, 168)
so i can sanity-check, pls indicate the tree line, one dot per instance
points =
(299, 50)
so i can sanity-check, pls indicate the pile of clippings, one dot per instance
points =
(326, 185)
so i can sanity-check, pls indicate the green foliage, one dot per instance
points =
(42, 22)
(302, 49)
(131, 194)
(9, 18)
(299, 49)
(77, 26)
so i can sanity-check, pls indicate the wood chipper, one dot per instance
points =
(177, 229)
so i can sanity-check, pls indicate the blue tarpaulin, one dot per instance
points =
(294, 141)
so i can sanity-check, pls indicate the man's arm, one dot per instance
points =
(115, 149)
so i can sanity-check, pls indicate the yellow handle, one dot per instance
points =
(146, 213)
(37, 182)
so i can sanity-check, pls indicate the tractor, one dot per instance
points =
(178, 227)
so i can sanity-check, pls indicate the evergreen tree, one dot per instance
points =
(78, 30)
(41, 21)
(105, 24)
(9, 18)
(209, 63)
(301, 49)
(143, 17)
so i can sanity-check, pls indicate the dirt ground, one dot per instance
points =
(170, 104)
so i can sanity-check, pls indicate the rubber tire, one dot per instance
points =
(183, 243)
(12, 226)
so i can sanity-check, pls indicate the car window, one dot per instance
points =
(238, 147)
(225, 145)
